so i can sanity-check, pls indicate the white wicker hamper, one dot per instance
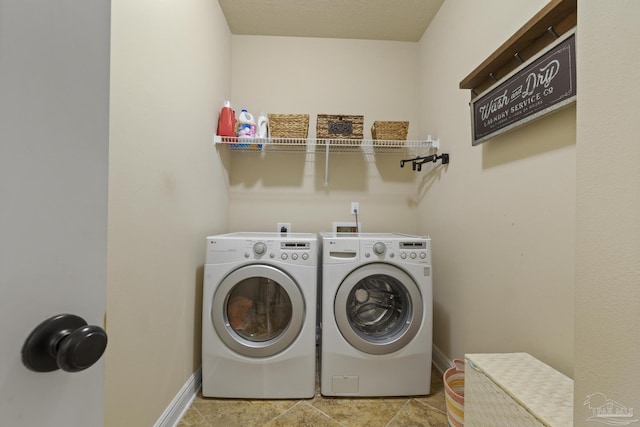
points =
(515, 389)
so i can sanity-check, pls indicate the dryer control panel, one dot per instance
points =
(295, 251)
(288, 251)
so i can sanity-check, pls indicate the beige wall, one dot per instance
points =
(327, 76)
(167, 191)
(502, 214)
(608, 206)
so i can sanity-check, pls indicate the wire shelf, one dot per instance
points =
(317, 145)
(327, 146)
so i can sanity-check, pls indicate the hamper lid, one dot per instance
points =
(544, 392)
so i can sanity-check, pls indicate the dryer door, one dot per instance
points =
(378, 308)
(258, 310)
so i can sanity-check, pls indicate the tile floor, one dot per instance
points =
(322, 411)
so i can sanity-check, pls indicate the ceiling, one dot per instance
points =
(395, 20)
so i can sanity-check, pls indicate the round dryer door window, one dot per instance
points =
(258, 310)
(378, 308)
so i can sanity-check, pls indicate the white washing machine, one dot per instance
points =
(259, 316)
(376, 315)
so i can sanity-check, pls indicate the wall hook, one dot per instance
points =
(413, 163)
(417, 162)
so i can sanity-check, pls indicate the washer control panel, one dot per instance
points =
(414, 251)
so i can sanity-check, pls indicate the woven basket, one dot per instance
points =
(395, 131)
(288, 125)
(454, 393)
(339, 126)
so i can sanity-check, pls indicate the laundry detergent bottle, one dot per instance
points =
(262, 130)
(246, 125)
(227, 121)
(246, 129)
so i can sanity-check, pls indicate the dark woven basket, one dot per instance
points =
(339, 126)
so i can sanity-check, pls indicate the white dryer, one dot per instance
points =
(259, 316)
(376, 315)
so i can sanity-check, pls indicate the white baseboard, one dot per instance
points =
(181, 402)
(440, 360)
(179, 405)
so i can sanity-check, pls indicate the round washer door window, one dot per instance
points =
(258, 310)
(378, 308)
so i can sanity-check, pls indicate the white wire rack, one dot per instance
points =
(315, 145)
(327, 146)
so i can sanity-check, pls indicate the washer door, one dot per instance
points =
(258, 310)
(378, 308)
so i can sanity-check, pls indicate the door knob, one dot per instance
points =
(64, 342)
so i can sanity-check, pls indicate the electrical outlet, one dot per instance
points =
(355, 208)
(283, 228)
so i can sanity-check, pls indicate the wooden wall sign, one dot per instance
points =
(543, 84)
